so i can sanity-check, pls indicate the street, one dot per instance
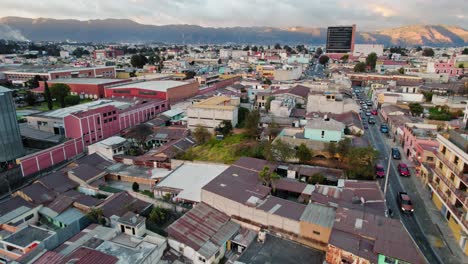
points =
(397, 184)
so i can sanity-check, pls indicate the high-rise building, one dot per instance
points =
(449, 185)
(11, 146)
(340, 39)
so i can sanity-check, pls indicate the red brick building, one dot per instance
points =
(84, 87)
(107, 53)
(172, 91)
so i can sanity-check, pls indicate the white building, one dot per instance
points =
(330, 102)
(283, 107)
(212, 111)
(109, 147)
(288, 73)
(366, 49)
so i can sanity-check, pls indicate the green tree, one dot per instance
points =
(135, 187)
(30, 98)
(34, 82)
(360, 67)
(138, 60)
(246, 48)
(139, 134)
(461, 66)
(416, 109)
(48, 96)
(344, 147)
(268, 102)
(225, 128)
(428, 96)
(401, 70)
(219, 61)
(251, 123)
(59, 91)
(72, 100)
(428, 52)
(266, 81)
(324, 59)
(418, 48)
(345, 58)
(277, 46)
(371, 60)
(465, 51)
(303, 153)
(360, 163)
(282, 151)
(96, 216)
(332, 148)
(254, 49)
(268, 177)
(201, 135)
(317, 178)
(241, 116)
(318, 52)
(158, 215)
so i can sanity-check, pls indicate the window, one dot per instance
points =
(113, 112)
(456, 160)
(114, 118)
(163, 105)
(440, 165)
(316, 232)
(105, 121)
(452, 177)
(105, 114)
(430, 159)
(444, 149)
(109, 113)
(202, 259)
(28, 217)
(323, 134)
(98, 120)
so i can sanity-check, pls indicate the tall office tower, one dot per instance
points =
(11, 146)
(340, 39)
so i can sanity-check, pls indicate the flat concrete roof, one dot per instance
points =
(61, 113)
(159, 86)
(96, 81)
(190, 178)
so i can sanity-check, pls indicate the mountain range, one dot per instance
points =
(128, 31)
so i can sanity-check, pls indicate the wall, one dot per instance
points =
(44, 159)
(319, 103)
(219, 85)
(209, 117)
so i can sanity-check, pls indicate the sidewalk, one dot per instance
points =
(430, 220)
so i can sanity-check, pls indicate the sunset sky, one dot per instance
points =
(367, 14)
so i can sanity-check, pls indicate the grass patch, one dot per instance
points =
(227, 150)
(109, 189)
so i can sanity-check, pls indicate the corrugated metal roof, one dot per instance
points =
(319, 215)
(69, 216)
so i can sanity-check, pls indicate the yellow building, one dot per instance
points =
(449, 184)
(267, 71)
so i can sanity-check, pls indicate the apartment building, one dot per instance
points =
(212, 111)
(449, 184)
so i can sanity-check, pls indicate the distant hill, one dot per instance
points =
(124, 30)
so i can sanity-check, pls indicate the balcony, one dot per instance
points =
(461, 195)
(463, 176)
(458, 212)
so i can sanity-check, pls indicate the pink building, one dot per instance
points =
(88, 127)
(419, 142)
(445, 67)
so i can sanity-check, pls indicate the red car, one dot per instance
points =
(403, 170)
(374, 112)
(404, 201)
(379, 171)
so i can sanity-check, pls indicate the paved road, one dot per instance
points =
(398, 184)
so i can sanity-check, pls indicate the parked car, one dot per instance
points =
(366, 126)
(371, 120)
(374, 112)
(403, 170)
(396, 154)
(368, 113)
(368, 103)
(404, 202)
(384, 128)
(379, 171)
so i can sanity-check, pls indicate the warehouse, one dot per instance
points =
(84, 87)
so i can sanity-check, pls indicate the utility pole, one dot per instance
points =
(387, 174)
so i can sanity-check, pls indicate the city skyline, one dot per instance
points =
(368, 15)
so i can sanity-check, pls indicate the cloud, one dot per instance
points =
(367, 14)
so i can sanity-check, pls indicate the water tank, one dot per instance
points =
(11, 146)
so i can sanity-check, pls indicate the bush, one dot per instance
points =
(135, 186)
(72, 100)
(147, 193)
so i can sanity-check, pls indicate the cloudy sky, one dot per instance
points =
(367, 14)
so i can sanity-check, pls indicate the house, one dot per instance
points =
(282, 107)
(325, 130)
(18, 213)
(201, 235)
(109, 147)
(212, 111)
(112, 208)
(420, 144)
(330, 102)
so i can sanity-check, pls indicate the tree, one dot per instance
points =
(34, 82)
(345, 58)
(287, 48)
(79, 52)
(461, 66)
(371, 60)
(401, 70)
(135, 187)
(189, 75)
(324, 59)
(30, 98)
(317, 178)
(59, 91)
(427, 96)
(154, 59)
(268, 102)
(219, 61)
(96, 216)
(282, 151)
(72, 100)
(138, 60)
(428, 52)
(241, 116)
(254, 49)
(360, 67)
(139, 133)
(303, 153)
(318, 52)
(360, 163)
(332, 149)
(266, 81)
(251, 123)
(465, 51)
(225, 128)
(416, 109)
(344, 147)
(201, 135)
(48, 96)
(246, 48)
(277, 46)
(418, 48)
(268, 176)
(158, 215)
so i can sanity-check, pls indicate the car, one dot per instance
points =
(396, 154)
(403, 170)
(365, 126)
(368, 113)
(374, 112)
(404, 202)
(379, 171)
(369, 103)
(371, 120)
(384, 128)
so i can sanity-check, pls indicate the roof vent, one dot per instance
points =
(223, 185)
(235, 174)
